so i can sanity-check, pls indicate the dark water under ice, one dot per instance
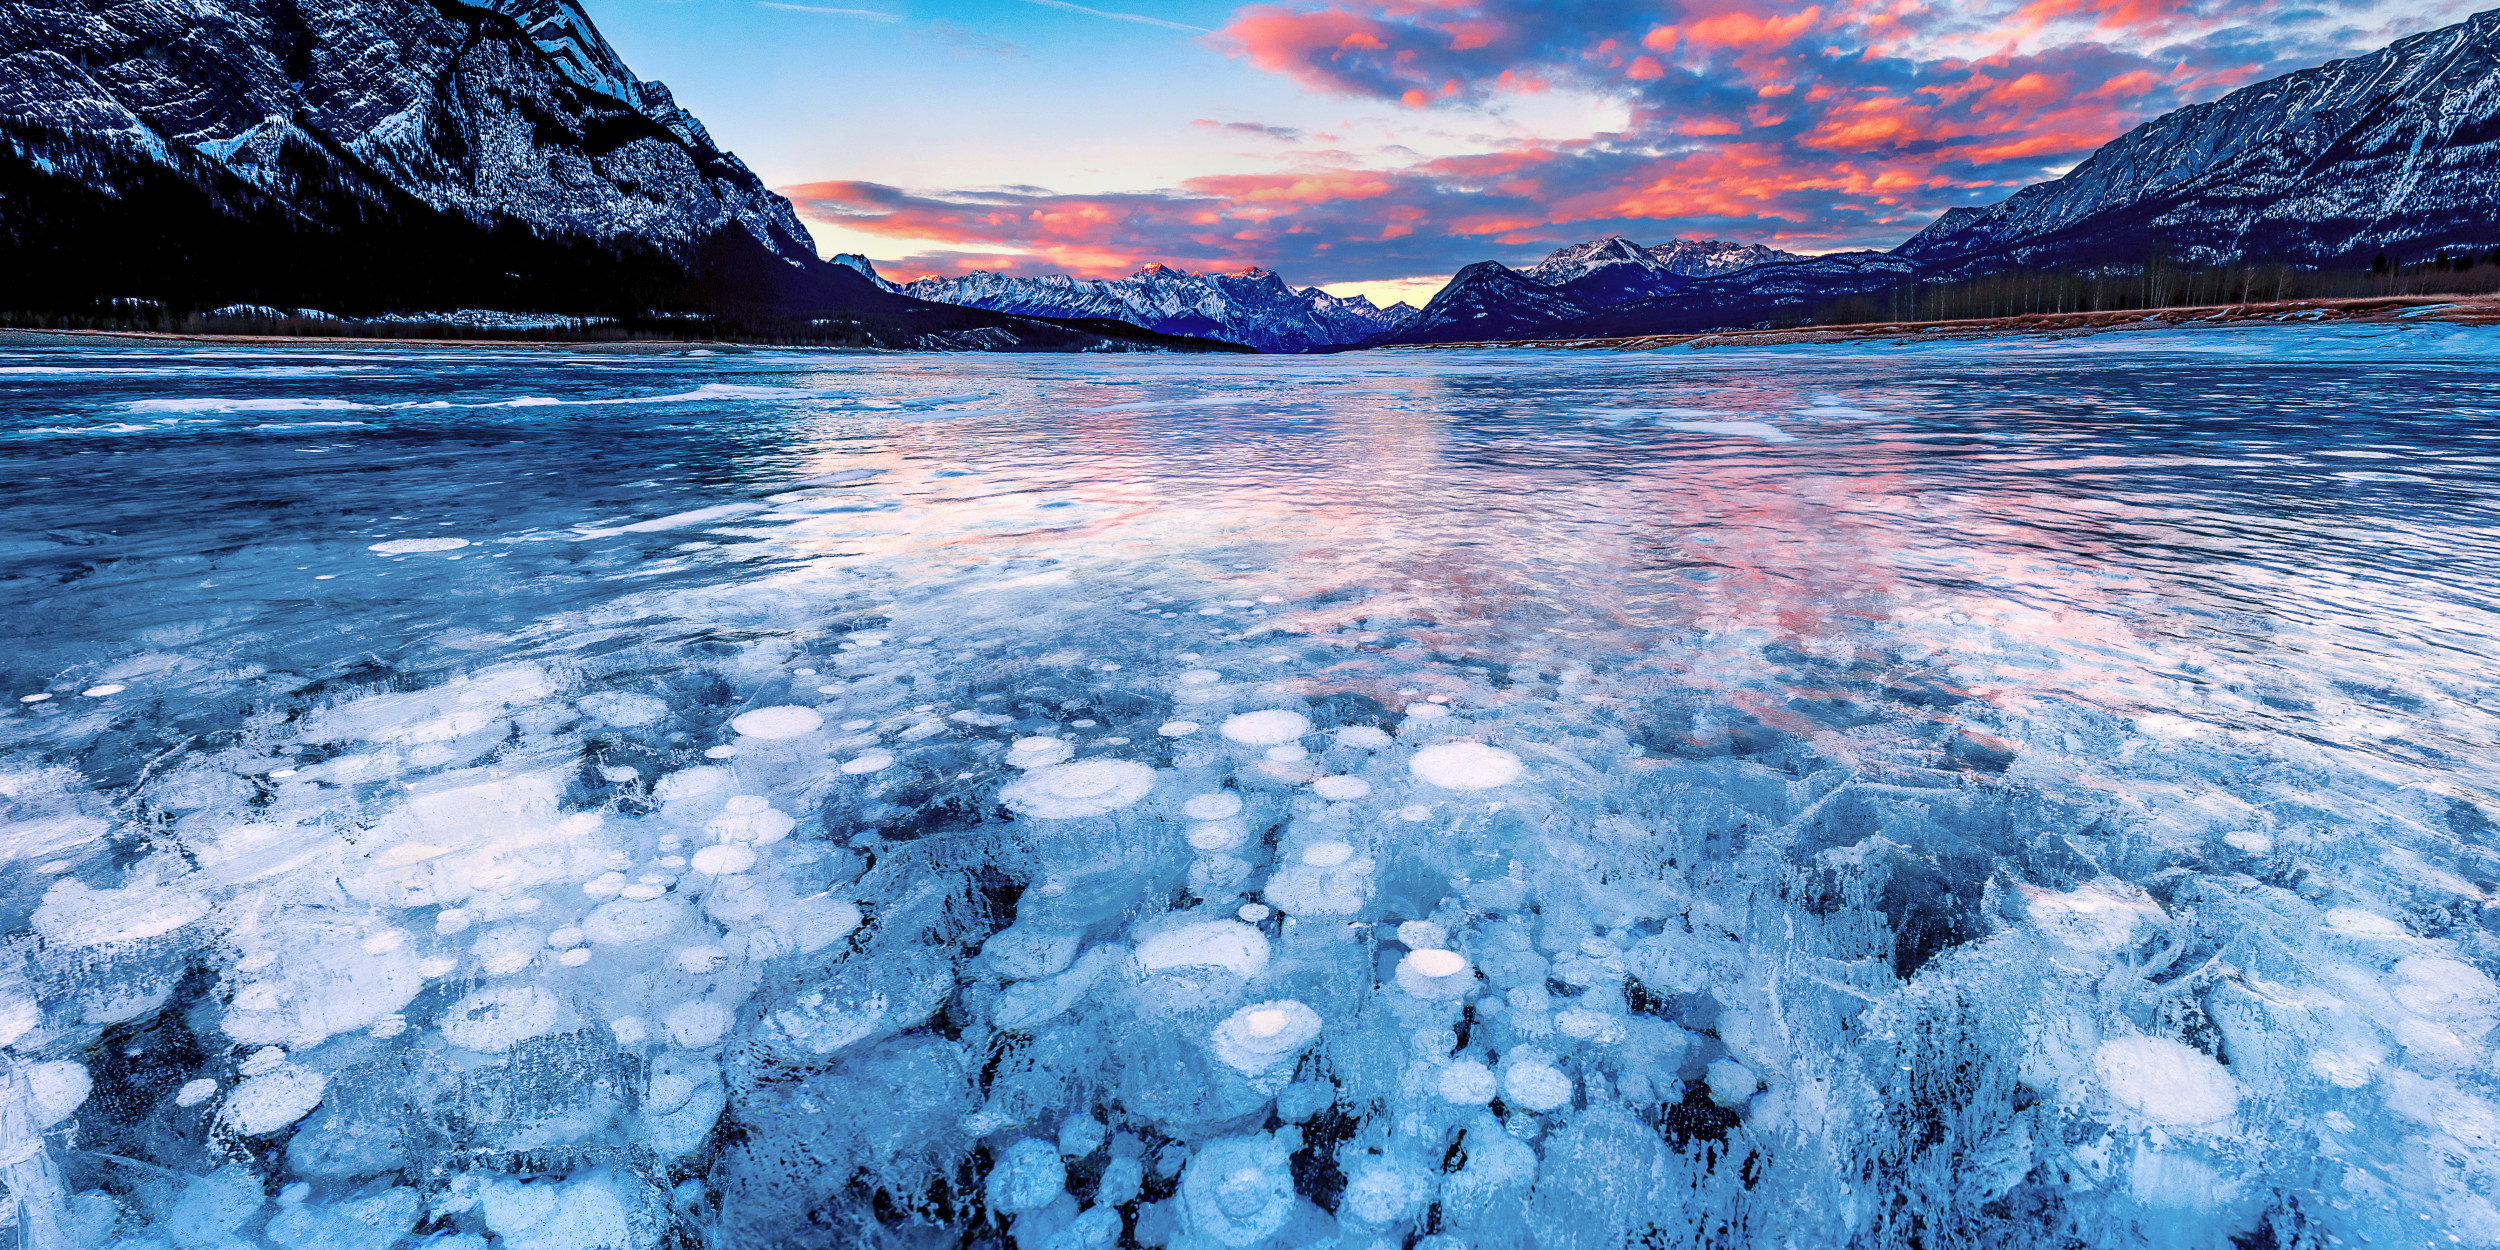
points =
(1953, 795)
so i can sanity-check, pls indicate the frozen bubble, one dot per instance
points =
(1031, 753)
(1383, 1190)
(687, 783)
(1465, 766)
(1228, 944)
(1290, 753)
(645, 890)
(1238, 1192)
(1025, 950)
(1217, 835)
(502, 952)
(265, 1059)
(721, 861)
(619, 772)
(1425, 711)
(1589, 1026)
(565, 938)
(1535, 1085)
(575, 957)
(57, 1088)
(2454, 993)
(1266, 729)
(1214, 806)
(1731, 1083)
(1341, 789)
(857, 725)
(869, 762)
(273, 1100)
(721, 752)
(630, 919)
(1080, 1135)
(624, 709)
(98, 692)
(2165, 1081)
(751, 820)
(452, 920)
(605, 885)
(1027, 1177)
(1199, 677)
(1265, 1036)
(1254, 912)
(1364, 737)
(418, 546)
(1423, 935)
(786, 721)
(193, 1093)
(496, 1019)
(33, 698)
(1086, 788)
(1468, 1083)
(1327, 854)
(1435, 973)
(629, 1030)
(699, 960)
(696, 1023)
(1177, 728)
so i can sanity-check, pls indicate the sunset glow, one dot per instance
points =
(1498, 129)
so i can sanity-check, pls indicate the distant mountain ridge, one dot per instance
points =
(1255, 307)
(372, 156)
(2396, 151)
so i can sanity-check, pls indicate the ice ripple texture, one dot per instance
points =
(2041, 797)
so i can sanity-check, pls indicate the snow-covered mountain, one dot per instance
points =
(2398, 150)
(514, 111)
(1613, 270)
(1488, 300)
(1254, 307)
(368, 157)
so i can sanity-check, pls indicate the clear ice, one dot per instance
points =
(1948, 795)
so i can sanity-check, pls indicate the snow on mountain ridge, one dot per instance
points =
(1253, 306)
(1689, 258)
(514, 109)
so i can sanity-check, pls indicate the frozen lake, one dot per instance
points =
(1948, 795)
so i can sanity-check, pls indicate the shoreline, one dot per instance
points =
(2466, 310)
(16, 337)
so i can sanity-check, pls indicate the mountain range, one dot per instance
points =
(1254, 307)
(373, 157)
(2396, 151)
(377, 156)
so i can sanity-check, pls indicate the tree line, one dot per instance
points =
(2159, 283)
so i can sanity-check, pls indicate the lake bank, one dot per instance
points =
(2394, 310)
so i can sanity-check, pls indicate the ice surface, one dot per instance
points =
(833, 800)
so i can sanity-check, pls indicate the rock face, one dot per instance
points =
(1614, 270)
(1254, 307)
(2398, 150)
(362, 157)
(1490, 300)
(517, 111)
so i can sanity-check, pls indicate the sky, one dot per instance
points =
(1376, 146)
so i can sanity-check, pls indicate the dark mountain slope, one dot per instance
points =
(363, 156)
(2397, 150)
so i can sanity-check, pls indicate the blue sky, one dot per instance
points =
(1380, 144)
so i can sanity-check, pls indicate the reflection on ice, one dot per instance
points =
(1921, 797)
